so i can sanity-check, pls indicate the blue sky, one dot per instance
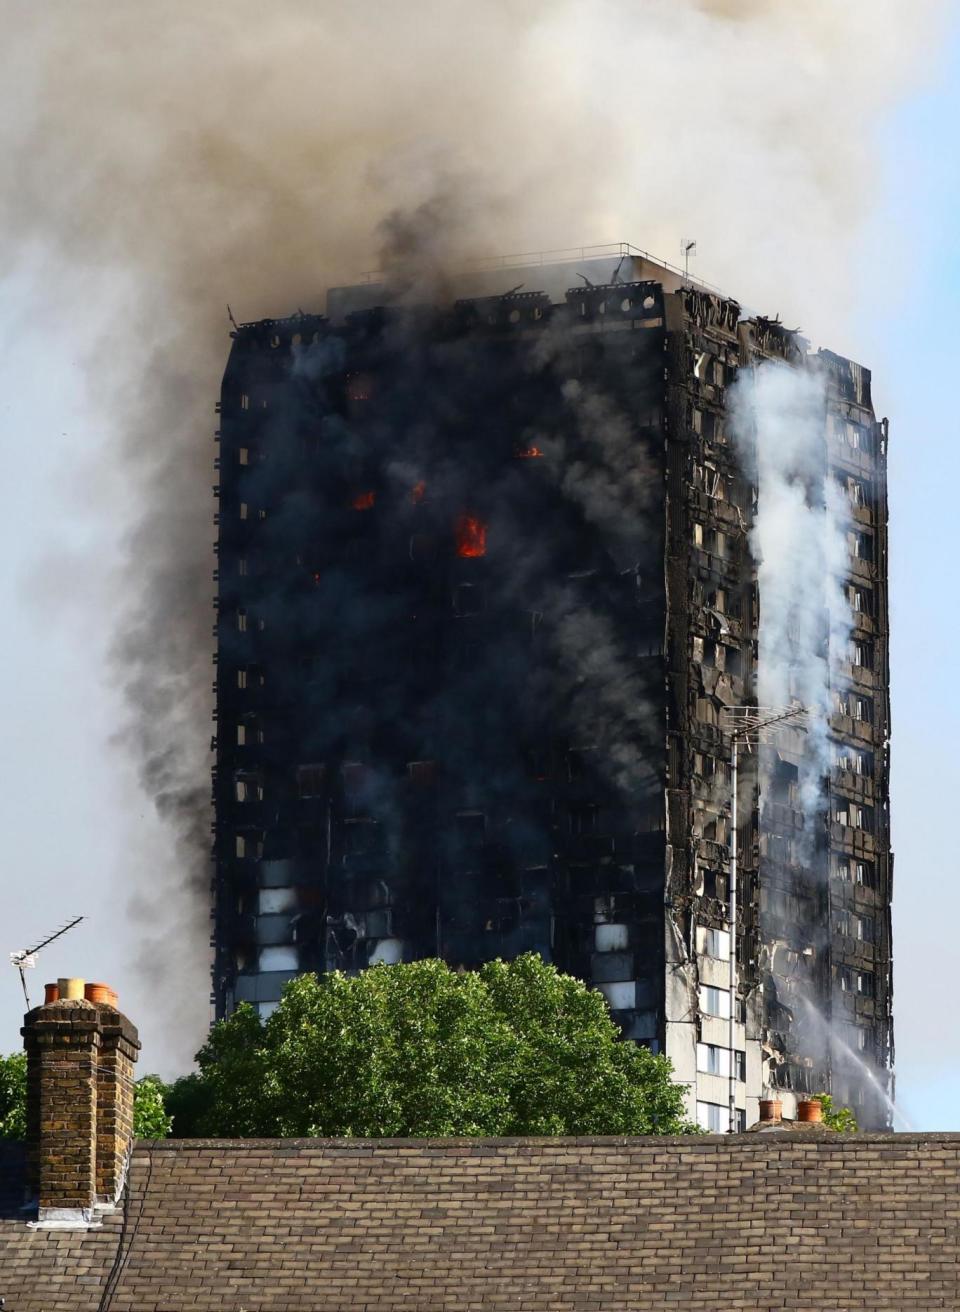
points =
(71, 812)
(911, 330)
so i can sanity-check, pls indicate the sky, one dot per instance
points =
(74, 818)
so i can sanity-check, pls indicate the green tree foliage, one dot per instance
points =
(837, 1117)
(150, 1117)
(13, 1096)
(419, 1050)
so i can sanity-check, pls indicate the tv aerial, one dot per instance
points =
(26, 958)
(688, 247)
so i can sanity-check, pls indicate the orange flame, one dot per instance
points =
(364, 500)
(528, 453)
(418, 492)
(471, 536)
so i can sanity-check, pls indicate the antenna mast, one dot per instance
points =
(26, 958)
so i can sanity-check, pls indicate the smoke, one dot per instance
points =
(798, 541)
(163, 160)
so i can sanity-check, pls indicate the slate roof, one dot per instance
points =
(759, 1222)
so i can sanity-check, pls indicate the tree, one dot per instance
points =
(419, 1050)
(839, 1117)
(13, 1096)
(150, 1117)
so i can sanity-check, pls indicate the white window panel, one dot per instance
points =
(611, 938)
(713, 1117)
(713, 1060)
(621, 995)
(715, 1002)
(278, 958)
(270, 901)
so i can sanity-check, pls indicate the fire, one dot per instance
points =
(471, 536)
(364, 500)
(528, 453)
(418, 492)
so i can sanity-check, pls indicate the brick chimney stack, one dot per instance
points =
(80, 1061)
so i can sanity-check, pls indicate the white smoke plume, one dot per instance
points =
(799, 542)
(164, 159)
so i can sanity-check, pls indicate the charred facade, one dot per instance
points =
(485, 586)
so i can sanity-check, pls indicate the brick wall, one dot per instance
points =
(80, 1062)
(760, 1222)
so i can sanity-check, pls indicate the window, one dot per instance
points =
(248, 788)
(242, 621)
(859, 599)
(845, 979)
(244, 401)
(860, 653)
(860, 545)
(715, 1002)
(716, 943)
(468, 599)
(471, 826)
(698, 535)
(863, 874)
(249, 732)
(243, 455)
(713, 1117)
(249, 844)
(713, 1060)
(244, 510)
(851, 759)
(311, 780)
(865, 983)
(241, 677)
(583, 818)
(242, 569)
(863, 928)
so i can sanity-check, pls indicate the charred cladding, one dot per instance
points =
(485, 585)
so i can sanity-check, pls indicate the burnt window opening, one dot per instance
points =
(311, 780)
(249, 732)
(469, 599)
(356, 777)
(470, 535)
(711, 768)
(471, 826)
(714, 884)
(865, 983)
(860, 652)
(583, 818)
(248, 788)
(250, 676)
(852, 760)
(361, 837)
(853, 816)
(579, 761)
(422, 547)
(537, 762)
(714, 828)
(860, 599)
(422, 773)
(860, 545)
(854, 705)
(784, 783)
(249, 844)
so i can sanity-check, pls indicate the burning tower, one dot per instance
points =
(491, 571)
